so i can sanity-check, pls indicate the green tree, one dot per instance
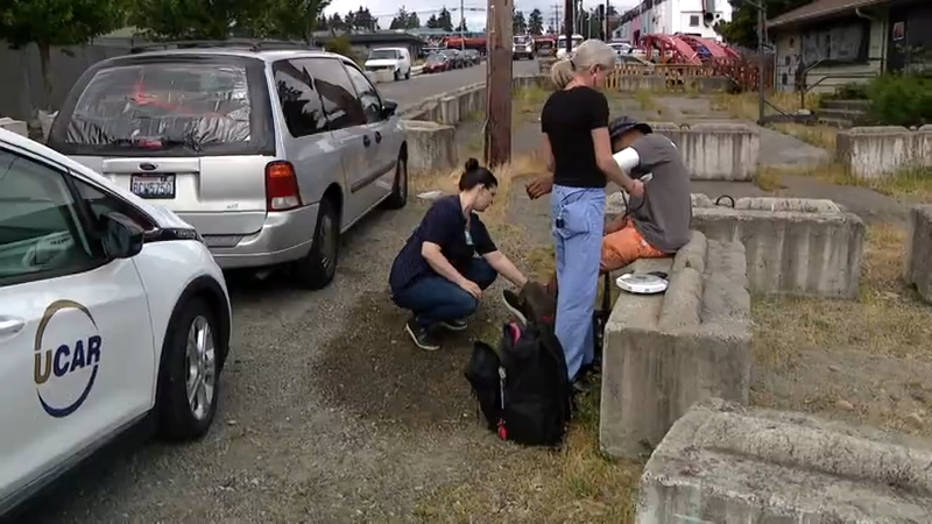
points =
(518, 23)
(364, 20)
(400, 20)
(336, 23)
(742, 29)
(296, 18)
(446, 20)
(413, 21)
(535, 22)
(48, 23)
(462, 27)
(204, 19)
(432, 22)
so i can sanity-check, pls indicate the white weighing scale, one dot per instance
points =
(642, 284)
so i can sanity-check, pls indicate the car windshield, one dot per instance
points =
(161, 105)
(383, 54)
(522, 40)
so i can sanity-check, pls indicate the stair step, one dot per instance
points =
(847, 105)
(842, 123)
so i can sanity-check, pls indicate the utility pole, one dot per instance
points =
(462, 25)
(568, 25)
(498, 83)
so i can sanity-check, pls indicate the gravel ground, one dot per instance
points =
(327, 414)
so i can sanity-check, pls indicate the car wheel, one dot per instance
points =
(408, 74)
(399, 196)
(318, 267)
(397, 75)
(188, 381)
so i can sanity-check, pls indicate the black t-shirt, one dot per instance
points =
(568, 119)
(444, 225)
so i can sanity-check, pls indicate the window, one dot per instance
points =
(694, 21)
(100, 203)
(342, 107)
(368, 96)
(301, 105)
(40, 233)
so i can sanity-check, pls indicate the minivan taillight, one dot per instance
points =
(281, 187)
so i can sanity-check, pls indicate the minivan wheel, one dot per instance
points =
(408, 74)
(397, 75)
(399, 196)
(317, 268)
(188, 380)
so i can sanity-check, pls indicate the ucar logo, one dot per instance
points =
(62, 363)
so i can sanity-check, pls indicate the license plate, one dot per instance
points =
(153, 186)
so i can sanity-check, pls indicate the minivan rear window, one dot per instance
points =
(383, 54)
(180, 107)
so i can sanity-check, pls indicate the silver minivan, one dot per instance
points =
(269, 153)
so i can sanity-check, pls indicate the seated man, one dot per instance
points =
(436, 275)
(655, 225)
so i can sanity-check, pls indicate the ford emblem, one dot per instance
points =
(148, 166)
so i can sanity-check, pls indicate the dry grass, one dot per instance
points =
(744, 106)
(528, 99)
(816, 135)
(914, 185)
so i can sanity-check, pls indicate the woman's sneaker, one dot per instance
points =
(421, 336)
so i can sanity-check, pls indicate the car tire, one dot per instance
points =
(192, 345)
(398, 75)
(399, 196)
(408, 74)
(316, 269)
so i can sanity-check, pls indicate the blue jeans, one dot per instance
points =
(433, 298)
(579, 221)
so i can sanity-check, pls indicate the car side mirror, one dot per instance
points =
(121, 237)
(389, 108)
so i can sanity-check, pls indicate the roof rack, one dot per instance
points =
(254, 45)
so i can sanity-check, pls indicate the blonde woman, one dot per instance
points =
(576, 141)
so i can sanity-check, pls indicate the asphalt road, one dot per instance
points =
(327, 413)
(408, 92)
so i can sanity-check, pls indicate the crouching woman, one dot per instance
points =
(437, 275)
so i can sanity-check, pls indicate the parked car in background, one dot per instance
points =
(116, 306)
(454, 56)
(437, 63)
(623, 59)
(522, 47)
(561, 45)
(395, 59)
(472, 57)
(268, 178)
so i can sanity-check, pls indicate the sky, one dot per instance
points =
(385, 10)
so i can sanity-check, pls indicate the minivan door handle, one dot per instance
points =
(366, 141)
(378, 137)
(10, 325)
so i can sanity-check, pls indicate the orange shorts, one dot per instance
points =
(624, 247)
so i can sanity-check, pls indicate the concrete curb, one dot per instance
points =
(919, 251)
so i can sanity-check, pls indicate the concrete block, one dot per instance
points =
(17, 126)
(876, 152)
(916, 266)
(723, 463)
(794, 246)
(665, 352)
(715, 151)
(431, 146)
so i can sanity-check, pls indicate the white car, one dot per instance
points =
(112, 313)
(395, 59)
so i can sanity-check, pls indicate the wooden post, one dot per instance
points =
(498, 83)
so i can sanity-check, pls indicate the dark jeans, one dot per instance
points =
(435, 299)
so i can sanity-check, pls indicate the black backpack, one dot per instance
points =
(523, 389)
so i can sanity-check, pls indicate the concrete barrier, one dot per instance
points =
(794, 246)
(715, 151)
(665, 352)
(724, 463)
(916, 270)
(417, 70)
(452, 107)
(876, 152)
(17, 126)
(431, 146)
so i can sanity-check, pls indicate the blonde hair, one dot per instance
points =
(590, 53)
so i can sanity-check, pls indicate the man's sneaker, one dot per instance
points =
(421, 336)
(454, 325)
(515, 304)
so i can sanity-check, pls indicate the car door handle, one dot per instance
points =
(366, 141)
(11, 326)
(378, 137)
